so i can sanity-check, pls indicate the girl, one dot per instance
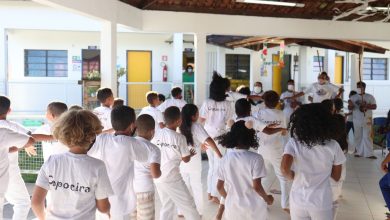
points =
(78, 183)
(316, 158)
(240, 173)
(196, 136)
(214, 113)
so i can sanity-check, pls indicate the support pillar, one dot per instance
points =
(108, 56)
(177, 69)
(255, 65)
(330, 57)
(305, 69)
(354, 71)
(221, 61)
(201, 68)
(3, 62)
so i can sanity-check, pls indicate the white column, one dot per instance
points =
(177, 69)
(108, 56)
(255, 68)
(330, 57)
(201, 69)
(221, 60)
(3, 61)
(304, 67)
(354, 71)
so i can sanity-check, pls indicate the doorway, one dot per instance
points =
(280, 76)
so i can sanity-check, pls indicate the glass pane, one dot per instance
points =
(367, 77)
(378, 77)
(41, 53)
(367, 65)
(379, 66)
(36, 66)
(57, 73)
(57, 60)
(379, 72)
(35, 59)
(367, 60)
(366, 71)
(35, 73)
(57, 66)
(57, 53)
(379, 60)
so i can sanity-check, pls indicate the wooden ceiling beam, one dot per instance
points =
(145, 4)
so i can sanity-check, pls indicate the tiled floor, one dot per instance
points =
(362, 199)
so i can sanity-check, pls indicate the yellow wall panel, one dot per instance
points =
(338, 70)
(139, 69)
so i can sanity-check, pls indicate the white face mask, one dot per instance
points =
(257, 89)
(190, 70)
(290, 87)
(359, 91)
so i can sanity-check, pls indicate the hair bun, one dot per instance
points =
(230, 123)
(249, 124)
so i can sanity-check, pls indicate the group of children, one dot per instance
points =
(112, 161)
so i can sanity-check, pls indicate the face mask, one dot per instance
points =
(290, 87)
(359, 91)
(190, 70)
(257, 89)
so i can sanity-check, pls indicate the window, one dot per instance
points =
(375, 69)
(318, 64)
(46, 63)
(237, 66)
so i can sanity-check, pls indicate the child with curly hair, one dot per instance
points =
(240, 173)
(316, 158)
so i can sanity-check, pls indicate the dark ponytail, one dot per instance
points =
(188, 111)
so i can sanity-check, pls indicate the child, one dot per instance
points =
(119, 151)
(152, 110)
(118, 102)
(196, 136)
(349, 116)
(240, 173)
(144, 173)
(289, 105)
(78, 183)
(106, 99)
(170, 186)
(175, 100)
(316, 157)
(271, 146)
(50, 147)
(75, 107)
(161, 98)
(17, 194)
(384, 183)
(214, 113)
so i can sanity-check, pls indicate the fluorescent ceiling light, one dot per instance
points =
(278, 3)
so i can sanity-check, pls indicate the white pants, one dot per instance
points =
(285, 185)
(363, 141)
(176, 193)
(17, 195)
(193, 181)
(104, 216)
(307, 214)
(210, 188)
(1, 206)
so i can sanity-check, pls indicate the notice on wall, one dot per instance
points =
(76, 63)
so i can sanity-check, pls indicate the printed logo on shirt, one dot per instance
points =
(321, 92)
(275, 122)
(216, 109)
(68, 186)
(161, 145)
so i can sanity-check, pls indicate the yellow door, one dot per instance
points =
(276, 74)
(338, 70)
(139, 69)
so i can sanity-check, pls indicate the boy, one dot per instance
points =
(118, 102)
(106, 99)
(17, 195)
(170, 186)
(271, 146)
(144, 173)
(78, 184)
(119, 151)
(289, 105)
(49, 146)
(152, 110)
(175, 100)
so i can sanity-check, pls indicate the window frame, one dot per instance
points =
(237, 65)
(46, 63)
(372, 69)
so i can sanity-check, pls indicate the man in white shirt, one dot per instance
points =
(153, 99)
(289, 105)
(175, 100)
(362, 104)
(321, 90)
(119, 151)
(103, 112)
(170, 186)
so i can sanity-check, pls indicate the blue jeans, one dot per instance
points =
(384, 184)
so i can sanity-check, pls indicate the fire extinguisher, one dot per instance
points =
(165, 73)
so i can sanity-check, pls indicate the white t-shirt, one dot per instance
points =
(143, 180)
(119, 152)
(14, 157)
(180, 103)
(238, 168)
(75, 181)
(104, 115)
(359, 117)
(311, 186)
(50, 147)
(322, 92)
(173, 148)
(287, 103)
(199, 135)
(155, 113)
(271, 146)
(8, 138)
(216, 115)
(234, 96)
(257, 124)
